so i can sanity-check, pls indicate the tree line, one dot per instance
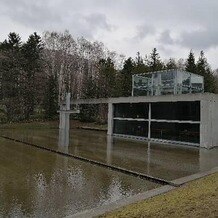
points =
(35, 75)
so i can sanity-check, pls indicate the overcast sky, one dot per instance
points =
(125, 26)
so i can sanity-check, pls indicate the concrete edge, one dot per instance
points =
(123, 202)
(195, 176)
(91, 128)
(94, 212)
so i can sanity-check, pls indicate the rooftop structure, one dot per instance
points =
(166, 82)
(166, 106)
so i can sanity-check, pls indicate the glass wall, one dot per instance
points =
(142, 85)
(183, 132)
(173, 121)
(135, 110)
(185, 82)
(197, 83)
(183, 110)
(167, 82)
(134, 128)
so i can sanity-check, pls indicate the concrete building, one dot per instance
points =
(173, 109)
(190, 119)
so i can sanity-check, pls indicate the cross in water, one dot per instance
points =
(64, 113)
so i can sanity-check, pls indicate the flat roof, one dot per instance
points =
(157, 98)
(165, 71)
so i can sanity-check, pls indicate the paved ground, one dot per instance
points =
(198, 198)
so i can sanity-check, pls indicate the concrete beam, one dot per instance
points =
(137, 99)
(90, 101)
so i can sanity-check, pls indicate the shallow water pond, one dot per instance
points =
(37, 183)
(160, 160)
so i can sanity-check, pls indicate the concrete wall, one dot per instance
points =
(205, 126)
(137, 99)
(209, 122)
(214, 121)
(209, 111)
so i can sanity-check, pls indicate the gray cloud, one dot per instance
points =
(98, 20)
(200, 39)
(142, 31)
(43, 15)
(125, 25)
(87, 25)
(35, 14)
(165, 38)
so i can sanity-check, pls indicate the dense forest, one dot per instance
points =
(36, 74)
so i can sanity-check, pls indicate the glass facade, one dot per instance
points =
(183, 110)
(167, 82)
(173, 121)
(183, 132)
(135, 110)
(134, 128)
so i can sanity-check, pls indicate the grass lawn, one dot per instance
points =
(198, 198)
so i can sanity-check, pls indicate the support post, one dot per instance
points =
(65, 115)
(110, 119)
(149, 121)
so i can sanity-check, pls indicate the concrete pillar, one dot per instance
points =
(64, 120)
(207, 159)
(110, 119)
(205, 126)
(149, 121)
(132, 85)
(64, 116)
(68, 101)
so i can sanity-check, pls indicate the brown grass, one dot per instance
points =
(198, 198)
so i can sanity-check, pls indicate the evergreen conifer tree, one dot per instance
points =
(31, 51)
(171, 64)
(203, 69)
(11, 65)
(139, 65)
(155, 62)
(190, 63)
(126, 77)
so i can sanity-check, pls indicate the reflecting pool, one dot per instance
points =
(38, 183)
(160, 160)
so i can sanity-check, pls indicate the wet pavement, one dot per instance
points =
(38, 183)
(164, 161)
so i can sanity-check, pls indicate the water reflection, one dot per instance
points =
(63, 140)
(164, 161)
(34, 183)
(43, 184)
(109, 148)
(148, 157)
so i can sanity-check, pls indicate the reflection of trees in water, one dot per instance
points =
(34, 182)
(44, 184)
(27, 172)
